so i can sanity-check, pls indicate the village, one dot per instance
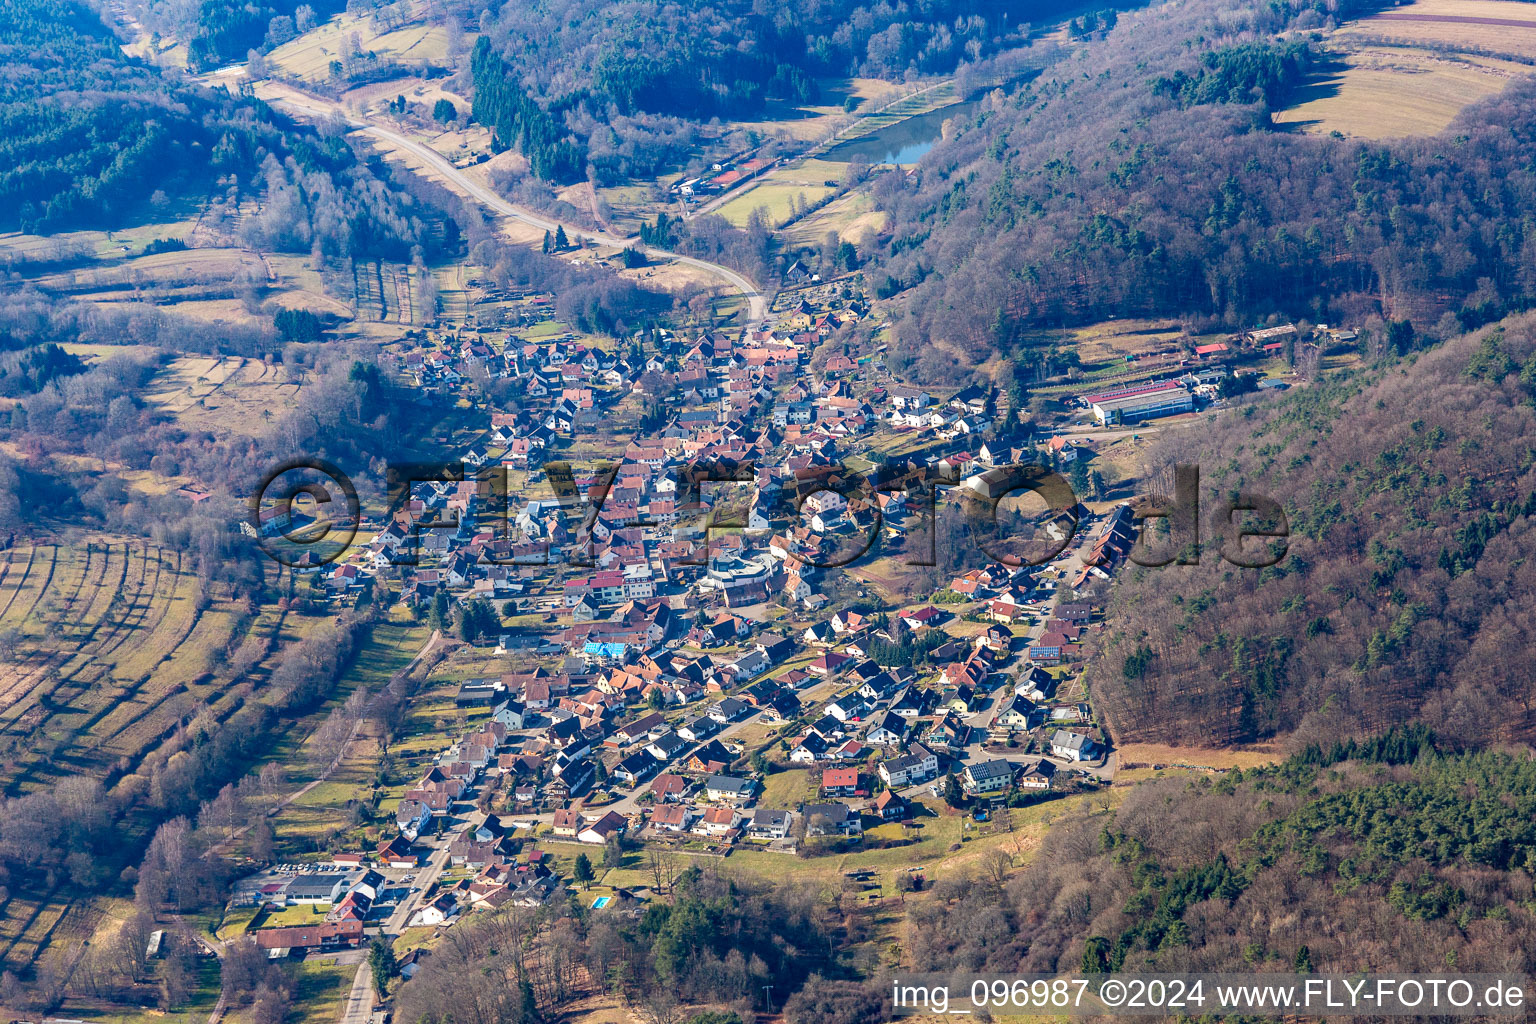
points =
(683, 647)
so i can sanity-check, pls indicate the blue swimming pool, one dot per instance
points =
(601, 902)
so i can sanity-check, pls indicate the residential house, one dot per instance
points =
(729, 788)
(986, 777)
(635, 768)
(668, 786)
(696, 730)
(567, 823)
(440, 911)
(397, 853)
(711, 758)
(611, 824)
(717, 821)
(889, 731)
(888, 806)
(1038, 775)
(671, 818)
(839, 781)
(910, 769)
(667, 746)
(1015, 716)
(1073, 746)
(768, 823)
(831, 819)
(728, 710)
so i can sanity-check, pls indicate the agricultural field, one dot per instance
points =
(223, 395)
(1492, 27)
(109, 646)
(851, 216)
(310, 55)
(1113, 341)
(783, 192)
(1411, 70)
(104, 245)
(215, 282)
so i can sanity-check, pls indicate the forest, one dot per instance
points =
(65, 163)
(611, 80)
(92, 138)
(1143, 177)
(718, 937)
(1410, 490)
(1404, 855)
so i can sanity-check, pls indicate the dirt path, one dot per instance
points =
(1454, 19)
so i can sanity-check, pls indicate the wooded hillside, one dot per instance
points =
(1407, 591)
(1384, 857)
(90, 138)
(622, 83)
(1143, 177)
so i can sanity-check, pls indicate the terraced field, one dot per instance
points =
(106, 650)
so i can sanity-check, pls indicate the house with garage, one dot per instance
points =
(1017, 715)
(669, 786)
(672, 818)
(889, 730)
(635, 768)
(729, 710)
(913, 768)
(667, 746)
(729, 788)
(839, 781)
(711, 758)
(717, 821)
(696, 730)
(397, 853)
(440, 911)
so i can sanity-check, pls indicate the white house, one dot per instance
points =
(768, 823)
(1072, 746)
(439, 911)
(910, 769)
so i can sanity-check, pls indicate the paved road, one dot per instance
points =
(757, 305)
(359, 1005)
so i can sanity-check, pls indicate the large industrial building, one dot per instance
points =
(1163, 399)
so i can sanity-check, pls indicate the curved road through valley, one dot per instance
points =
(757, 306)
